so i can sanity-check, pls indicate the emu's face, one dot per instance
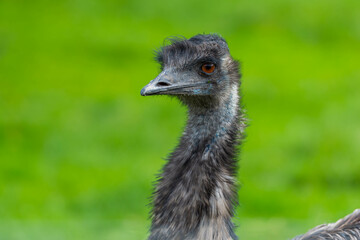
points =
(196, 67)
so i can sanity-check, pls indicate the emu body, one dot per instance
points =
(196, 193)
(347, 228)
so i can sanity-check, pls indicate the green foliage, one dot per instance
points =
(79, 146)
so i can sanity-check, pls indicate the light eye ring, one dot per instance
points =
(208, 68)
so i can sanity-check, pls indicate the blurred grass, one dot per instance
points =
(79, 148)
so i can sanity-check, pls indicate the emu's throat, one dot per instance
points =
(213, 122)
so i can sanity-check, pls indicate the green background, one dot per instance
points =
(80, 148)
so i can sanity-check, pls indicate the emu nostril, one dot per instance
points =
(163, 84)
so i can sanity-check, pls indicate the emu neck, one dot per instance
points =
(196, 193)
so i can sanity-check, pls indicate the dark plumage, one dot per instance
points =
(196, 193)
(346, 228)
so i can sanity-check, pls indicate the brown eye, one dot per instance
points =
(208, 68)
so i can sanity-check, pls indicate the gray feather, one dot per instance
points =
(347, 228)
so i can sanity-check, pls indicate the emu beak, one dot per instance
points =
(169, 83)
(157, 86)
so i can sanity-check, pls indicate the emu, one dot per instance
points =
(196, 192)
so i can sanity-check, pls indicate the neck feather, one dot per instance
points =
(196, 193)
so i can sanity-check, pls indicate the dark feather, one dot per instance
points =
(347, 228)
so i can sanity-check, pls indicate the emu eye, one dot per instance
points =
(208, 68)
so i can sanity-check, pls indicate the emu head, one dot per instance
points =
(196, 70)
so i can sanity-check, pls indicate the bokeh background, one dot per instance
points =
(80, 148)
